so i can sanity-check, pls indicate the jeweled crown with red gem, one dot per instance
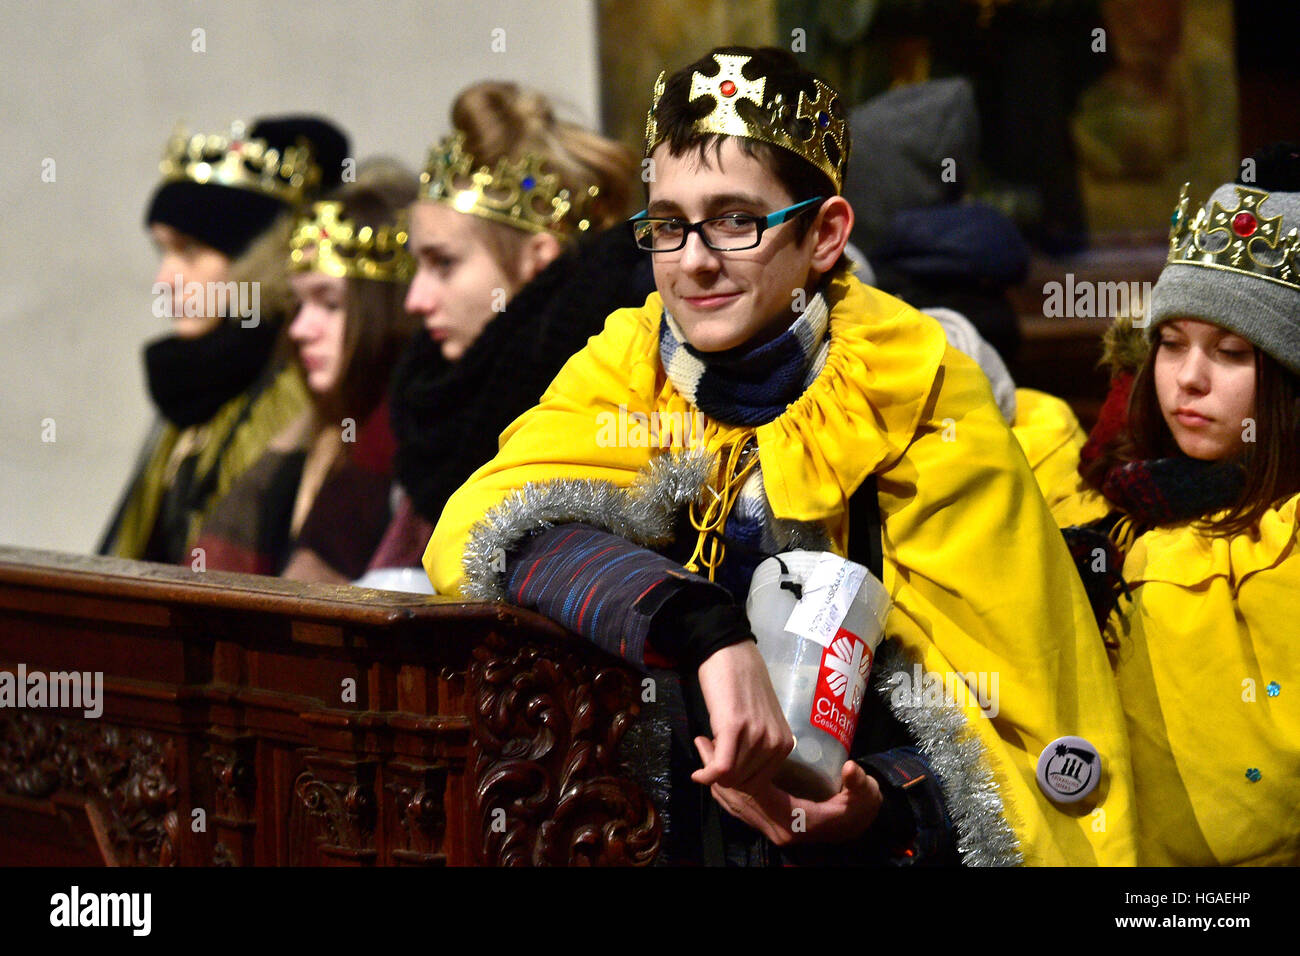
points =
(771, 117)
(235, 160)
(519, 194)
(1241, 239)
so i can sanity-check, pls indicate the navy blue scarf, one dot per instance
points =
(748, 385)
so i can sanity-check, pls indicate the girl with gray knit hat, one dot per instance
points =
(1198, 490)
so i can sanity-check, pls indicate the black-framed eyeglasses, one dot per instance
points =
(730, 233)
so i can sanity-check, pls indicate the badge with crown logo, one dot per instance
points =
(1069, 769)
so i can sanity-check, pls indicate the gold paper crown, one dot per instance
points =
(235, 160)
(519, 194)
(1236, 240)
(324, 241)
(771, 116)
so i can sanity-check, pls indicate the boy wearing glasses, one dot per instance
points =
(809, 384)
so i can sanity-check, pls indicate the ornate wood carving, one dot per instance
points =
(547, 722)
(129, 772)
(421, 816)
(234, 778)
(233, 693)
(343, 810)
(234, 787)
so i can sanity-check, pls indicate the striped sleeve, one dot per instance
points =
(599, 585)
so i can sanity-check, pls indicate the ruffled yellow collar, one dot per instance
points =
(1185, 556)
(856, 417)
(861, 412)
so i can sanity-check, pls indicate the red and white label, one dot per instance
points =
(841, 682)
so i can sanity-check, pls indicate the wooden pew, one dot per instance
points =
(249, 720)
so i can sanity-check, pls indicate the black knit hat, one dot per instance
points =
(228, 218)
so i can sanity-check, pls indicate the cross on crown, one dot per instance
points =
(729, 87)
(1240, 239)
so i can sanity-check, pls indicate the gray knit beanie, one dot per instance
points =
(1237, 265)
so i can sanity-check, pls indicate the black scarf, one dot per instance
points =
(447, 416)
(190, 379)
(1152, 493)
(1172, 490)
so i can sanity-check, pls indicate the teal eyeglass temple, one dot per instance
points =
(765, 222)
(773, 219)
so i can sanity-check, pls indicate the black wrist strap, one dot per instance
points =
(695, 622)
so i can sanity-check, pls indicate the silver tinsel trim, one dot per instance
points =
(643, 513)
(955, 753)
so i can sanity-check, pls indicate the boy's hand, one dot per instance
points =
(784, 819)
(750, 734)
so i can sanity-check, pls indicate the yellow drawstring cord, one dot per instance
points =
(1123, 534)
(709, 548)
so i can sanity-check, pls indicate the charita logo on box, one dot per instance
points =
(841, 682)
(77, 909)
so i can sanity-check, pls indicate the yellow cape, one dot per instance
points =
(279, 404)
(1212, 625)
(981, 580)
(1051, 437)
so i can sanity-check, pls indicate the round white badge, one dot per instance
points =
(1069, 769)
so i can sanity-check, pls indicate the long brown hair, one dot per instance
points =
(378, 325)
(1271, 462)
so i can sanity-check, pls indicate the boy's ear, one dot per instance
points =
(830, 232)
(539, 251)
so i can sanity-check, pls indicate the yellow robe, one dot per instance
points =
(215, 447)
(1051, 437)
(1212, 623)
(980, 578)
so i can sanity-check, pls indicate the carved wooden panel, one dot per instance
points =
(222, 695)
(129, 774)
(547, 721)
(338, 800)
(417, 794)
(234, 786)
